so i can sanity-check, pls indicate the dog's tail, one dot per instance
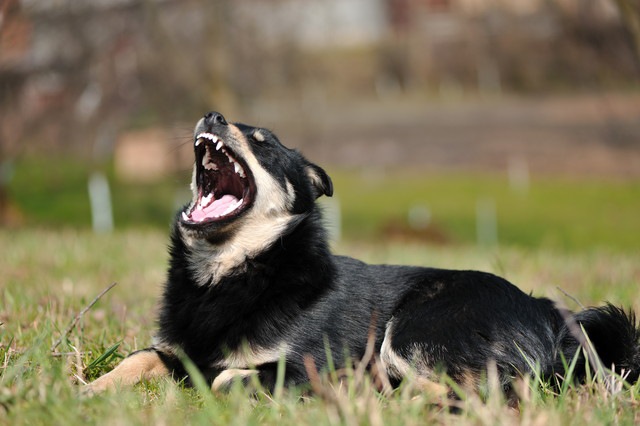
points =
(611, 332)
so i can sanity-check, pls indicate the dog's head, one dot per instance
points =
(244, 177)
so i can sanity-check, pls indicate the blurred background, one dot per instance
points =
(512, 122)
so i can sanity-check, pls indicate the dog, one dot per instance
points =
(252, 281)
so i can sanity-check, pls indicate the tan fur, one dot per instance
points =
(395, 366)
(398, 366)
(133, 369)
(470, 380)
(315, 179)
(227, 377)
(247, 358)
(257, 135)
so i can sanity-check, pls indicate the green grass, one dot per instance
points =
(560, 213)
(554, 212)
(49, 276)
(54, 192)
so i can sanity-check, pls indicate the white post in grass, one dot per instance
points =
(332, 217)
(100, 198)
(486, 222)
(518, 170)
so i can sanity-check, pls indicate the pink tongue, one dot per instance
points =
(213, 210)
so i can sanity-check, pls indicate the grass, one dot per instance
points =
(49, 276)
(559, 213)
(54, 192)
(554, 212)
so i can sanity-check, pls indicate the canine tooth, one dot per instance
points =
(198, 141)
(219, 145)
(184, 216)
(237, 168)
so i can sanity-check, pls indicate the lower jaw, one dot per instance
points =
(214, 210)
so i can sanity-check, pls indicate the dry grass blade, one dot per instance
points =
(592, 358)
(79, 316)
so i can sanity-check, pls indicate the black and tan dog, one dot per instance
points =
(251, 280)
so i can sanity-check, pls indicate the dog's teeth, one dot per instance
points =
(184, 216)
(198, 141)
(219, 145)
(213, 138)
(238, 169)
(207, 199)
(206, 158)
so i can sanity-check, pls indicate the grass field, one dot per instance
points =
(47, 277)
(556, 212)
(553, 212)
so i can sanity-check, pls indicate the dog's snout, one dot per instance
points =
(214, 118)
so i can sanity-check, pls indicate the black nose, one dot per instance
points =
(212, 118)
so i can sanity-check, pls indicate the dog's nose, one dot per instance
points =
(213, 118)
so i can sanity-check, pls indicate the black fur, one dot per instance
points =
(295, 292)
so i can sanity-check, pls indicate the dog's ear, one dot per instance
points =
(320, 180)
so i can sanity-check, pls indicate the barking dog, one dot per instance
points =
(251, 279)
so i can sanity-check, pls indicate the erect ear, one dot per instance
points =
(320, 180)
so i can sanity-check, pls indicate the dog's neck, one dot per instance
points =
(297, 263)
(209, 263)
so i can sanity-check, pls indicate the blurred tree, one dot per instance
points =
(14, 35)
(630, 12)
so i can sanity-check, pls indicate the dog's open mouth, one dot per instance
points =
(225, 186)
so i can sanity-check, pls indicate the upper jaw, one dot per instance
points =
(223, 185)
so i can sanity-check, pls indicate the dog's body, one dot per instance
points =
(252, 280)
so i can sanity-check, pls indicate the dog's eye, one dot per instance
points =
(258, 136)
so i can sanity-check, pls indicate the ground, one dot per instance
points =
(50, 276)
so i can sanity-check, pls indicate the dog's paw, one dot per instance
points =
(101, 385)
(90, 390)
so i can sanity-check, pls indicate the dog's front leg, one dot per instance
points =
(266, 375)
(226, 378)
(141, 365)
